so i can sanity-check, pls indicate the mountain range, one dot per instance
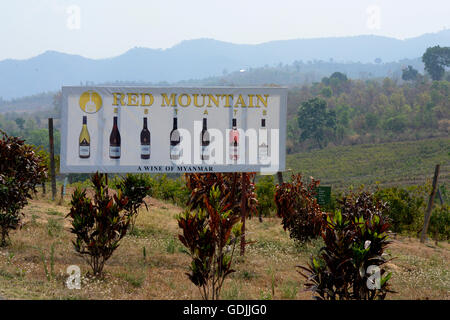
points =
(201, 58)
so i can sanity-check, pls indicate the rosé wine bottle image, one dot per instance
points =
(234, 142)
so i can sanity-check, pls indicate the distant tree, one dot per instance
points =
(20, 122)
(436, 59)
(396, 124)
(341, 77)
(39, 137)
(410, 74)
(337, 81)
(372, 121)
(335, 78)
(326, 92)
(315, 120)
(30, 125)
(57, 104)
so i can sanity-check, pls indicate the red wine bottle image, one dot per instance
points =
(145, 141)
(175, 147)
(234, 142)
(204, 141)
(84, 150)
(114, 141)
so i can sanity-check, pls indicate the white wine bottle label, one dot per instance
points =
(145, 150)
(175, 152)
(263, 152)
(114, 151)
(205, 152)
(84, 151)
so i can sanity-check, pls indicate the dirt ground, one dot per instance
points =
(151, 263)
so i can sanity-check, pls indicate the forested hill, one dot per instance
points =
(362, 112)
(198, 59)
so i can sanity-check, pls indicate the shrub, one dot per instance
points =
(230, 187)
(406, 207)
(21, 169)
(173, 190)
(440, 222)
(99, 225)
(298, 208)
(265, 193)
(210, 235)
(355, 239)
(135, 188)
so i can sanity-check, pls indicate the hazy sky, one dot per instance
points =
(106, 28)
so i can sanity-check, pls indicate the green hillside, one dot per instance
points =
(399, 163)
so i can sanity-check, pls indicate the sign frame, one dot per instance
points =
(278, 91)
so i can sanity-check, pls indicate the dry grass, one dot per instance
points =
(266, 272)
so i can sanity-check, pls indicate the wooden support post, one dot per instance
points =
(280, 177)
(440, 196)
(52, 157)
(243, 209)
(62, 195)
(430, 204)
(106, 182)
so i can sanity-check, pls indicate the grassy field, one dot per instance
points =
(29, 269)
(397, 163)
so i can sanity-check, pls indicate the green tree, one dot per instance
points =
(265, 192)
(396, 124)
(316, 120)
(410, 74)
(21, 169)
(436, 59)
(326, 92)
(341, 77)
(20, 122)
(372, 121)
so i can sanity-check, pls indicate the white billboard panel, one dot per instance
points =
(173, 129)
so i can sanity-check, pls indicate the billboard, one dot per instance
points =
(173, 129)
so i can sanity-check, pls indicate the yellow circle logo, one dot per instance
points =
(90, 101)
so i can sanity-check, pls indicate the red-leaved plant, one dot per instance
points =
(229, 185)
(297, 206)
(210, 233)
(98, 224)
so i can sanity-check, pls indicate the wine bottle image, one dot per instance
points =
(234, 141)
(175, 147)
(145, 141)
(263, 147)
(114, 141)
(84, 141)
(204, 141)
